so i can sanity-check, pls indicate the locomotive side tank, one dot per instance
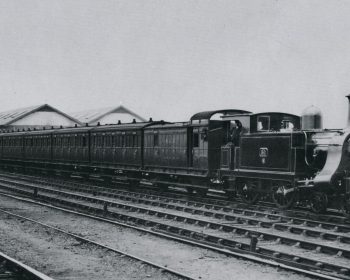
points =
(268, 158)
(308, 165)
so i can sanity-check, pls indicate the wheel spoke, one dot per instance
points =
(250, 192)
(282, 196)
(319, 202)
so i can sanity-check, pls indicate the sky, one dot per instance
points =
(170, 59)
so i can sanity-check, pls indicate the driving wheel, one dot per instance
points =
(284, 195)
(319, 202)
(250, 192)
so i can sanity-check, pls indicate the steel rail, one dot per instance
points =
(276, 224)
(19, 270)
(275, 218)
(298, 243)
(251, 256)
(279, 224)
(282, 258)
(88, 241)
(296, 214)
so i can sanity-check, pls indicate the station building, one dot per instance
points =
(35, 117)
(109, 115)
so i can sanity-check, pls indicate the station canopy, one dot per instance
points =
(38, 116)
(109, 115)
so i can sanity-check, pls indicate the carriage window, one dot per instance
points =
(195, 139)
(155, 140)
(134, 140)
(123, 141)
(84, 141)
(127, 140)
(263, 123)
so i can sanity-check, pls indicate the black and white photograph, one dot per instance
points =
(174, 139)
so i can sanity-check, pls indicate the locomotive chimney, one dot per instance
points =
(348, 120)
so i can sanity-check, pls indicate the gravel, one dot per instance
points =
(64, 258)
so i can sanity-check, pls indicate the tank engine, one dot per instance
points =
(307, 166)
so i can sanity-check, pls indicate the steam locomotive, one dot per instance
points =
(274, 156)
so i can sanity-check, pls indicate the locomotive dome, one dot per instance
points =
(311, 118)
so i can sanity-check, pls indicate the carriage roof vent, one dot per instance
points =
(150, 120)
(133, 120)
(119, 122)
(75, 125)
(98, 123)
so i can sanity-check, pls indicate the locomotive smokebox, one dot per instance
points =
(311, 118)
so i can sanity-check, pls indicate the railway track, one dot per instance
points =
(11, 269)
(238, 214)
(298, 215)
(226, 231)
(81, 239)
(215, 199)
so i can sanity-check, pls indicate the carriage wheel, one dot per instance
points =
(284, 195)
(250, 192)
(319, 202)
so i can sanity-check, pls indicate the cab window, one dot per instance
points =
(263, 123)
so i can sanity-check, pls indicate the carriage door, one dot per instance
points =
(199, 149)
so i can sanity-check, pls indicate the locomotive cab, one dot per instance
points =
(256, 123)
(272, 145)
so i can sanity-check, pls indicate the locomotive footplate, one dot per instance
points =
(263, 174)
